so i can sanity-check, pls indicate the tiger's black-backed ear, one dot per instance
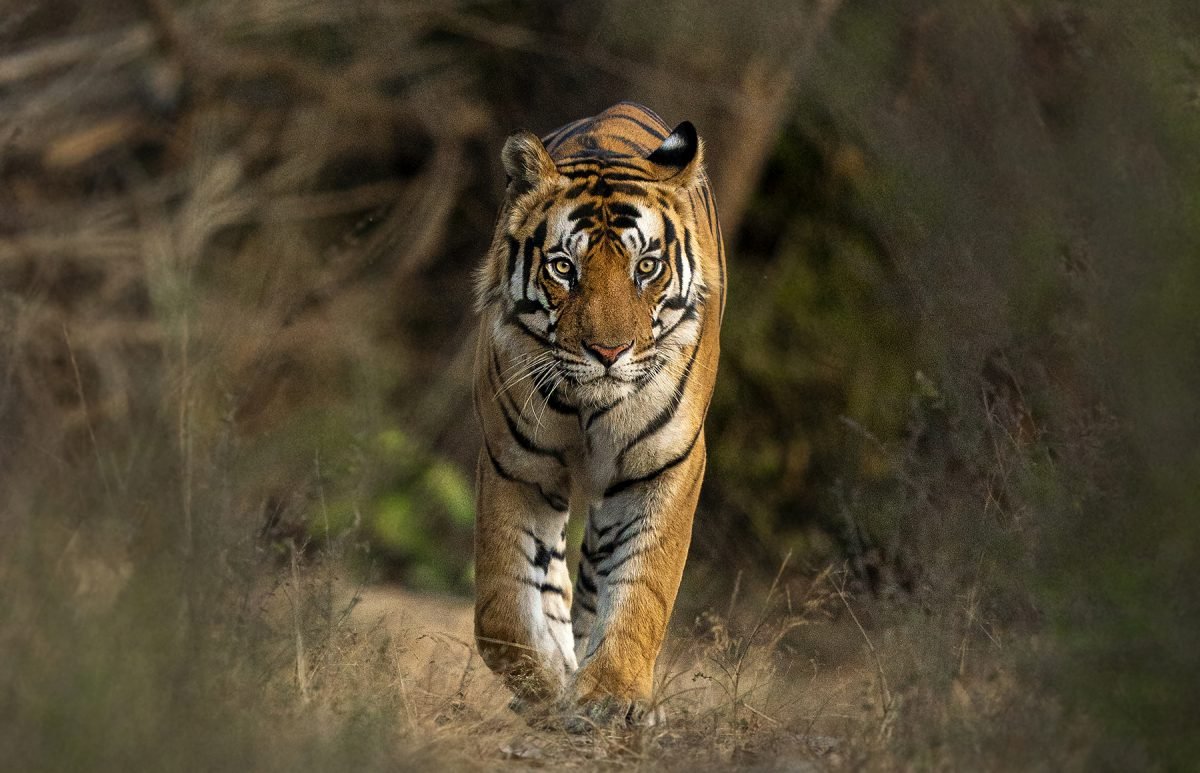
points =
(679, 155)
(526, 161)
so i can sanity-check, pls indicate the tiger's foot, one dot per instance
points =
(610, 712)
(606, 712)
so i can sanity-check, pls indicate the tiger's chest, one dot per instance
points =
(604, 445)
(577, 454)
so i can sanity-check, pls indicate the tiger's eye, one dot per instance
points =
(647, 267)
(561, 267)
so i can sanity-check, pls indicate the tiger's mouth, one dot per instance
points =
(594, 385)
(578, 371)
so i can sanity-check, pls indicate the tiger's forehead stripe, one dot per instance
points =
(624, 135)
(616, 210)
(620, 223)
(583, 211)
(639, 136)
(578, 166)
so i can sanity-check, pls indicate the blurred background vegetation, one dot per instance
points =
(962, 354)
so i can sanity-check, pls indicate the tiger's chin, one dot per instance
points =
(603, 391)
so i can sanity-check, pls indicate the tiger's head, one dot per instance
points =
(595, 266)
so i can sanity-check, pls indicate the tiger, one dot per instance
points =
(600, 302)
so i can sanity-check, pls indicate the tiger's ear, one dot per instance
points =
(526, 161)
(680, 156)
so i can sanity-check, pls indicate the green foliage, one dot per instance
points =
(418, 514)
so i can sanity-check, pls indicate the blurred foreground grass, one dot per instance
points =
(958, 386)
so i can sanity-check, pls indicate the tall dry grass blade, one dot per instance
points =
(302, 682)
(87, 416)
(885, 693)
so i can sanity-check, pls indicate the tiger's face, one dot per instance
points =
(606, 285)
(595, 272)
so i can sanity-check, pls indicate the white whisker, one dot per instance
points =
(544, 373)
(533, 368)
(546, 404)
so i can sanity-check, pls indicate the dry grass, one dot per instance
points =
(800, 685)
(797, 684)
(234, 659)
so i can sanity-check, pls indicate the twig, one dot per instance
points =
(772, 720)
(301, 658)
(762, 617)
(185, 432)
(208, 62)
(737, 586)
(37, 61)
(87, 416)
(744, 649)
(514, 38)
(883, 687)
(820, 712)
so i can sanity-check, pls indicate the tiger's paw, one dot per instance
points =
(610, 712)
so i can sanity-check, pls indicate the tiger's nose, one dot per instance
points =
(607, 354)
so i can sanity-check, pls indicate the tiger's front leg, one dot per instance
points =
(523, 591)
(634, 553)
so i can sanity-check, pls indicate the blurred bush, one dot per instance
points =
(818, 351)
